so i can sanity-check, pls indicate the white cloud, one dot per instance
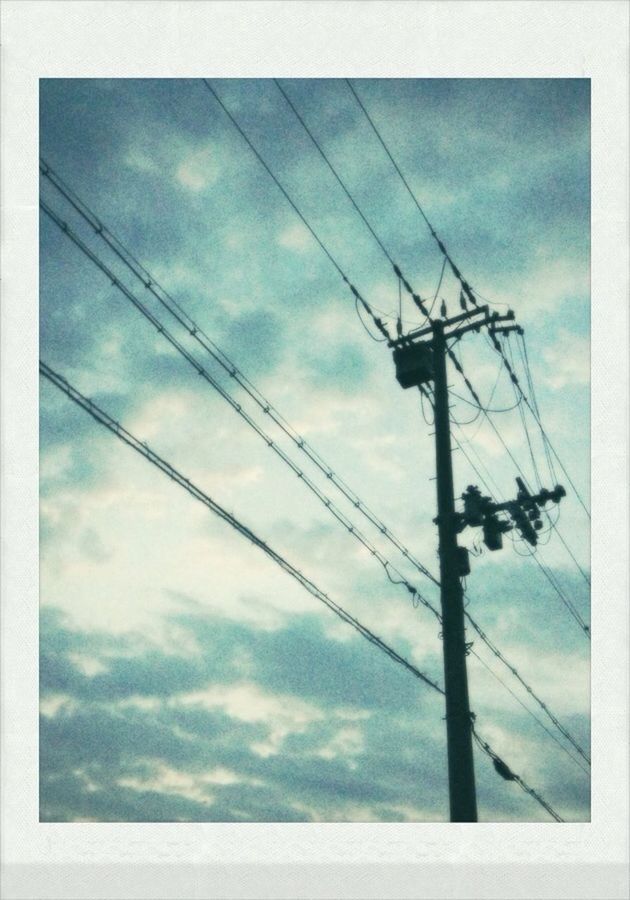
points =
(140, 161)
(568, 361)
(199, 170)
(296, 237)
(283, 714)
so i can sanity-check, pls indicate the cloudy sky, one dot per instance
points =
(184, 677)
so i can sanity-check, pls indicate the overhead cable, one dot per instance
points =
(358, 297)
(203, 372)
(178, 312)
(465, 285)
(144, 450)
(531, 713)
(103, 418)
(344, 187)
(475, 397)
(182, 317)
(456, 272)
(505, 772)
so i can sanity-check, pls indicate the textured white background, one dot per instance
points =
(309, 39)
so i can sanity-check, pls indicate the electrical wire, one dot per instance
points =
(338, 178)
(532, 714)
(176, 310)
(508, 775)
(495, 650)
(456, 272)
(203, 372)
(378, 323)
(475, 396)
(535, 414)
(465, 285)
(144, 450)
(352, 200)
(229, 366)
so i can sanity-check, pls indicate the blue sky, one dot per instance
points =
(183, 676)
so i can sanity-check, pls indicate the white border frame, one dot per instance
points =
(554, 38)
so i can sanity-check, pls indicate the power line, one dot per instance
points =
(535, 413)
(346, 191)
(338, 178)
(465, 285)
(506, 773)
(227, 364)
(456, 272)
(513, 377)
(531, 713)
(203, 372)
(180, 315)
(495, 650)
(475, 396)
(366, 306)
(546, 572)
(144, 450)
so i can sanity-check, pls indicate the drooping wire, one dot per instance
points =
(486, 409)
(198, 334)
(144, 450)
(203, 372)
(379, 340)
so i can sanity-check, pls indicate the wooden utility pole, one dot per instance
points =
(420, 358)
(461, 771)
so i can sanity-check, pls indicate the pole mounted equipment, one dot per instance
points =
(420, 357)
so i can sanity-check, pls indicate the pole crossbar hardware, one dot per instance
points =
(479, 510)
(420, 357)
(461, 773)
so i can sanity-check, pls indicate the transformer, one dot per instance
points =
(463, 562)
(493, 531)
(414, 364)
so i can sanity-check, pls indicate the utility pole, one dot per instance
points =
(461, 772)
(420, 358)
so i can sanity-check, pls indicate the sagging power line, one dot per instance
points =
(141, 447)
(466, 290)
(192, 327)
(435, 327)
